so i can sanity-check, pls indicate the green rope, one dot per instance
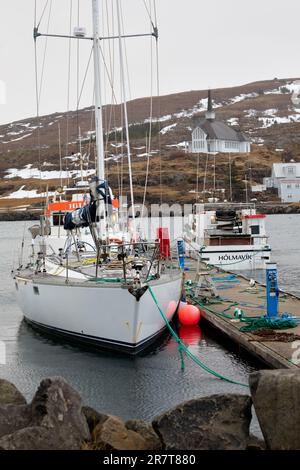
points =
(182, 348)
(253, 323)
(107, 279)
(204, 305)
(115, 279)
(221, 314)
(274, 324)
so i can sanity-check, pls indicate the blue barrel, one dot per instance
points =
(272, 290)
(181, 252)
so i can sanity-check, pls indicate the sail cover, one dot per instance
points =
(83, 217)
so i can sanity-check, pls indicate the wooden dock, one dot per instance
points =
(276, 348)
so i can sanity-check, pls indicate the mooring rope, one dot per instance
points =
(182, 348)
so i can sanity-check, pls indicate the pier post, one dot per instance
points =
(272, 290)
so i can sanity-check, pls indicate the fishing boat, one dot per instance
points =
(232, 237)
(117, 295)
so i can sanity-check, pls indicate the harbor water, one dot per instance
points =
(140, 387)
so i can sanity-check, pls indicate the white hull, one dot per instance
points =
(105, 315)
(235, 257)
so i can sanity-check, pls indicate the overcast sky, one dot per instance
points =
(213, 43)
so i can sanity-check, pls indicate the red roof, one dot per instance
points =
(254, 216)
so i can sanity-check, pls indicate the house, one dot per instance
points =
(285, 178)
(212, 136)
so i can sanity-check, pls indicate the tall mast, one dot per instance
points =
(97, 86)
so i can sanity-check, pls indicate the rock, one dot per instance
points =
(113, 435)
(33, 438)
(254, 443)
(210, 423)
(57, 406)
(9, 394)
(93, 417)
(276, 398)
(13, 418)
(146, 431)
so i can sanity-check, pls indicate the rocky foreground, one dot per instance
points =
(56, 419)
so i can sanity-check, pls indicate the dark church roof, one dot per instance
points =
(215, 129)
(219, 130)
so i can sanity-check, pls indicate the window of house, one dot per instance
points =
(290, 170)
(254, 229)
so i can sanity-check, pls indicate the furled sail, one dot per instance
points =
(83, 217)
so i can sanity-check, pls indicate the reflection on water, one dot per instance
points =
(190, 335)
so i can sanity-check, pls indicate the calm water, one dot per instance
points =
(132, 388)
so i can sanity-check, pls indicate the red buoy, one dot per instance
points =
(189, 315)
(191, 335)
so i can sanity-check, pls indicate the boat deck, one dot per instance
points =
(276, 348)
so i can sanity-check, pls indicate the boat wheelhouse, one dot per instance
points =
(233, 237)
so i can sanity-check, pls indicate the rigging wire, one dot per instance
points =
(205, 175)
(106, 112)
(45, 51)
(148, 146)
(60, 154)
(111, 72)
(123, 87)
(158, 97)
(68, 87)
(84, 78)
(106, 108)
(37, 91)
(113, 107)
(37, 25)
(125, 55)
(91, 125)
(103, 79)
(77, 74)
(197, 180)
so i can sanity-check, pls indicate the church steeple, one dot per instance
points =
(210, 114)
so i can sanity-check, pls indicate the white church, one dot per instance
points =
(213, 136)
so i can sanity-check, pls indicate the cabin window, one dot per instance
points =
(36, 290)
(254, 229)
(58, 218)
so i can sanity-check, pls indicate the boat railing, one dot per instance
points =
(131, 262)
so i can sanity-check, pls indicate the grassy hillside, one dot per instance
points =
(263, 110)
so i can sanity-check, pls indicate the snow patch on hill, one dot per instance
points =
(201, 106)
(250, 113)
(15, 140)
(23, 193)
(29, 172)
(234, 121)
(241, 97)
(270, 121)
(270, 112)
(166, 129)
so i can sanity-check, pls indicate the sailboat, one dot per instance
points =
(118, 296)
